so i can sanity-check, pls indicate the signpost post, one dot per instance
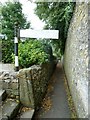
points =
(16, 48)
(29, 33)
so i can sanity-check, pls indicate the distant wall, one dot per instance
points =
(76, 59)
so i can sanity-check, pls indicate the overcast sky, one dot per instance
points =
(28, 10)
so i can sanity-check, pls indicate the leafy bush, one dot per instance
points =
(7, 50)
(32, 52)
(0, 50)
(56, 15)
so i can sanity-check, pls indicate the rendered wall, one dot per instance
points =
(76, 59)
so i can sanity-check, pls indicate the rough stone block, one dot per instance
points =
(26, 93)
(9, 109)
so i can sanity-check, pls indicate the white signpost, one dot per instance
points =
(29, 33)
(48, 34)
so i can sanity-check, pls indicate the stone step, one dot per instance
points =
(9, 109)
(3, 95)
(27, 114)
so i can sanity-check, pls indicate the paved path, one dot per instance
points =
(89, 100)
(59, 108)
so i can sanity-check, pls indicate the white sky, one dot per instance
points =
(28, 10)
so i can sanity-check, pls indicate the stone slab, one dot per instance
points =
(9, 109)
(28, 114)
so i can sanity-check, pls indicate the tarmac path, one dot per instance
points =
(59, 107)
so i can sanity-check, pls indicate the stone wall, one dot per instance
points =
(33, 83)
(9, 82)
(89, 58)
(28, 84)
(76, 59)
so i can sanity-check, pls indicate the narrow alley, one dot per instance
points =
(57, 98)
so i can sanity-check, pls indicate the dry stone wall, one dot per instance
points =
(33, 83)
(76, 59)
(28, 84)
(9, 82)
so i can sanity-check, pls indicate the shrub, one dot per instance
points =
(32, 52)
(7, 50)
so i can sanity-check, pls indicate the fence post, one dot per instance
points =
(16, 48)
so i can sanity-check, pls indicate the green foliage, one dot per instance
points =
(55, 47)
(11, 14)
(56, 15)
(0, 50)
(0, 19)
(32, 52)
(7, 50)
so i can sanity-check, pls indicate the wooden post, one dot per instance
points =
(16, 48)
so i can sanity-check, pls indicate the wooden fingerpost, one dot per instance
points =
(16, 48)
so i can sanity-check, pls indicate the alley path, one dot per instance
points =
(59, 107)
